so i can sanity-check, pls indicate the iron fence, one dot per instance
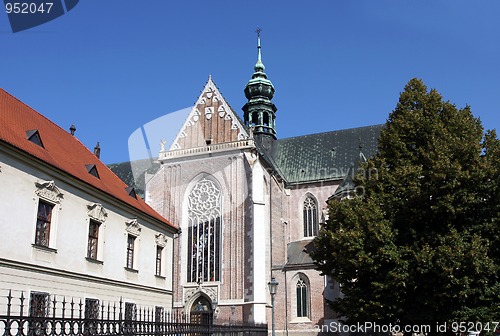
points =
(46, 315)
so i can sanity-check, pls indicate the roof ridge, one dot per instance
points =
(334, 131)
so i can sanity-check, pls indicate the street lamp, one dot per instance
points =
(273, 287)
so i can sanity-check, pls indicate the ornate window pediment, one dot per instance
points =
(97, 212)
(133, 227)
(161, 239)
(48, 191)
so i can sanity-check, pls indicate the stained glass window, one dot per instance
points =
(204, 215)
(310, 217)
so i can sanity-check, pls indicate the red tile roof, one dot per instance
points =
(62, 150)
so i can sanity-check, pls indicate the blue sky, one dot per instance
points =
(111, 66)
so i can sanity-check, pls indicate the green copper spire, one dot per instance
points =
(259, 111)
(259, 66)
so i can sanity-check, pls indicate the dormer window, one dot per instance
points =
(34, 136)
(92, 170)
(131, 192)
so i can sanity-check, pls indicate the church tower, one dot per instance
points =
(259, 111)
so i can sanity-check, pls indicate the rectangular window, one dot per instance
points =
(39, 304)
(43, 219)
(159, 314)
(93, 239)
(159, 251)
(39, 308)
(130, 251)
(91, 314)
(130, 311)
(91, 309)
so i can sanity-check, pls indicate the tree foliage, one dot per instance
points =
(422, 240)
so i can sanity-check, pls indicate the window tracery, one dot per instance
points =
(204, 227)
(310, 212)
(302, 298)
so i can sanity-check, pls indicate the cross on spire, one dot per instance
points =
(258, 32)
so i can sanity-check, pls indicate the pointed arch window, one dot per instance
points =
(204, 216)
(302, 298)
(310, 212)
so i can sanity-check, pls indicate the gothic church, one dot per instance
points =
(249, 205)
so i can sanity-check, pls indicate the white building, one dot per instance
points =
(70, 227)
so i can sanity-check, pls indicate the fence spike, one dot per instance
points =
(80, 308)
(54, 306)
(22, 303)
(63, 306)
(9, 299)
(72, 304)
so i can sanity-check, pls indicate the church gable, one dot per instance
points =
(212, 121)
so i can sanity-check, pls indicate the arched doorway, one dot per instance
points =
(201, 311)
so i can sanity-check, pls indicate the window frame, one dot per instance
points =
(48, 222)
(93, 254)
(36, 298)
(300, 298)
(204, 224)
(310, 219)
(131, 249)
(159, 314)
(302, 295)
(92, 309)
(130, 311)
(159, 260)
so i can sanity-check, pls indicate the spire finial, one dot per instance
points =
(259, 66)
(260, 112)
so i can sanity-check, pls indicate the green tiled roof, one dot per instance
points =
(298, 253)
(303, 159)
(126, 171)
(323, 156)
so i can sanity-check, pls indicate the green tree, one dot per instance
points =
(420, 241)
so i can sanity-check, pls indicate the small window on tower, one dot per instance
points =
(266, 119)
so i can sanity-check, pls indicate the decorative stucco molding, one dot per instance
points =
(48, 191)
(97, 212)
(161, 239)
(133, 227)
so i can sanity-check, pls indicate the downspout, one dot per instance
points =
(286, 259)
(286, 304)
